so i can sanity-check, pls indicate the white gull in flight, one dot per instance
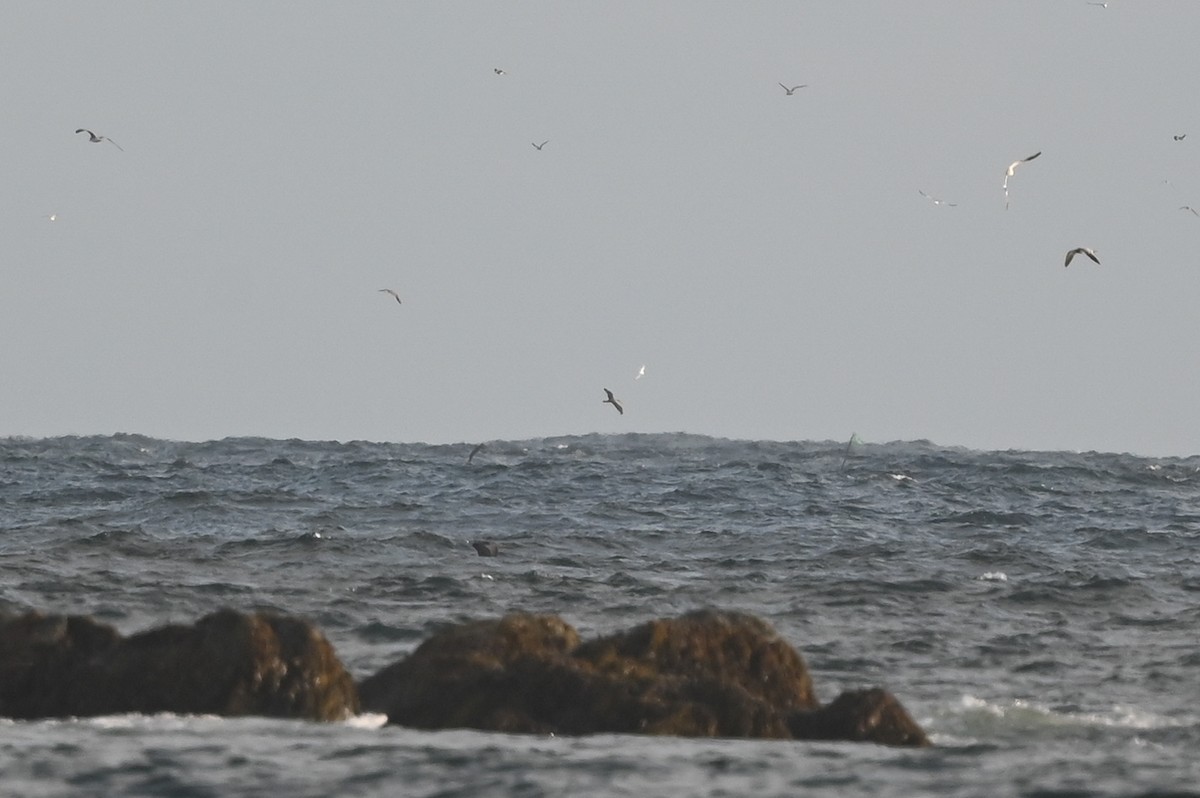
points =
(1012, 167)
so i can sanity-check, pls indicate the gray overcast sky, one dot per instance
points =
(768, 258)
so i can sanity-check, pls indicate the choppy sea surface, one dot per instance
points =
(1037, 612)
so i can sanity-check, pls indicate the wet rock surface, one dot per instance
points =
(708, 673)
(227, 663)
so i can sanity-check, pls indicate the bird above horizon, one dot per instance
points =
(475, 451)
(92, 137)
(1012, 167)
(641, 372)
(1180, 137)
(499, 71)
(1080, 251)
(538, 147)
(935, 200)
(390, 291)
(792, 90)
(612, 400)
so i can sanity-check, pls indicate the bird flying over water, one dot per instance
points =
(1180, 137)
(792, 90)
(1080, 251)
(935, 200)
(393, 293)
(92, 137)
(853, 440)
(612, 400)
(1012, 167)
(499, 71)
(474, 452)
(538, 147)
(486, 548)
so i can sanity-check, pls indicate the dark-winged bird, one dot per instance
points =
(612, 400)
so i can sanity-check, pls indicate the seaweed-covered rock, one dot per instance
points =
(873, 715)
(475, 675)
(708, 673)
(227, 663)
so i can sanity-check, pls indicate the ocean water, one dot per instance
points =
(1037, 612)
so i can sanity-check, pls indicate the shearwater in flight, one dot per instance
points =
(612, 400)
(1080, 251)
(92, 137)
(792, 90)
(935, 200)
(538, 147)
(390, 291)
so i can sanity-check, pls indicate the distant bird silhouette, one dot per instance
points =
(612, 400)
(792, 90)
(1180, 137)
(1181, 207)
(1080, 251)
(499, 71)
(390, 291)
(936, 201)
(92, 137)
(474, 452)
(486, 548)
(1102, 5)
(849, 444)
(1012, 167)
(538, 147)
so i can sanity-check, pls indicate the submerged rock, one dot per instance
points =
(708, 673)
(227, 663)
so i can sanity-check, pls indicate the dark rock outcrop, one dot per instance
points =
(227, 663)
(707, 673)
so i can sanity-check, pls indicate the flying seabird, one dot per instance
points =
(486, 548)
(935, 200)
(1012, 167)
(849, 444)
(1181, 207)
(1180, 137)
(499, 71)
(92, 137)
(390, 291)
(1102, 5)
(641, 372)
(474, 452)
(51, 216)
(538, 147)
(612, 400)
(792, 90)
(1080, 251)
